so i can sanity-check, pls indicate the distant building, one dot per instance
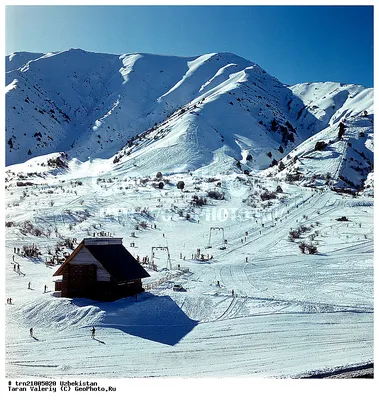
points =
(102, 269)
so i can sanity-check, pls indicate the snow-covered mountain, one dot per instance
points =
(17, 60)
(173, 113)
(277, 264)
(322, 158)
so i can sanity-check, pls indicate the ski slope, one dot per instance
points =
(291, 313)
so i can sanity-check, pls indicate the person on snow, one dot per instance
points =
(31, 332)
(93, 331)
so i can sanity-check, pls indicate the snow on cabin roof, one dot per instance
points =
(113, 256)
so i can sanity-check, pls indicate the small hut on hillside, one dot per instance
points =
(102, 269)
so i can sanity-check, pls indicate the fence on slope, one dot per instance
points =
(171, 275)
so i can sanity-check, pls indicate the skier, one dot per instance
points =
(44, 289)
(93, 330)
(29, 285)
(31, 332)
(232, 292)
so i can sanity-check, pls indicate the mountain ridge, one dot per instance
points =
(185, 112)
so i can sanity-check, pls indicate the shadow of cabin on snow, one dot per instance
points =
(100, 269)
(157, 318)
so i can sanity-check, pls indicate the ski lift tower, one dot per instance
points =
(165, 248)
(214, 228)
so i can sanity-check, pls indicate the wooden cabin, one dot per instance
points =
(101, 269)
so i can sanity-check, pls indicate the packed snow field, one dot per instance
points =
(253, 306)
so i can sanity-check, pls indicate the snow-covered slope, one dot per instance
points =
(323, 158)
(19, 59)
(173, 113)
(95, 103)
(51, 98)
(330, 102)
(289, 312)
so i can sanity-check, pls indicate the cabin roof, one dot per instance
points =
(120, 264)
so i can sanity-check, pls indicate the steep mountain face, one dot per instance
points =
(51, 98)
(143, 111)
(323, 158)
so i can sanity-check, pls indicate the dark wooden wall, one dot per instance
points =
(80, 281)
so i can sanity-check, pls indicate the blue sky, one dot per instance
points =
(294, 43)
